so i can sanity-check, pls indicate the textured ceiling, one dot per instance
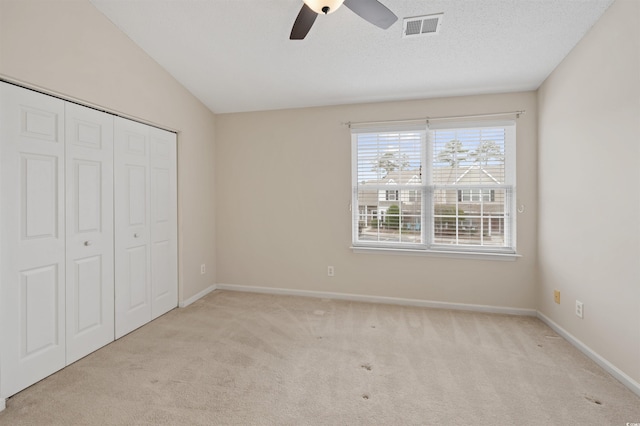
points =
(235, 55)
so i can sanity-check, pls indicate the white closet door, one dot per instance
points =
(32, 237)
(89, 225)
(163, 222)
(132, 254)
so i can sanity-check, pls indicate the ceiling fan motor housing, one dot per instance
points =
(324, 7)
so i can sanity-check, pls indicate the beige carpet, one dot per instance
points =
(251, 359)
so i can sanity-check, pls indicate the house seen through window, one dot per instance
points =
(446, 187)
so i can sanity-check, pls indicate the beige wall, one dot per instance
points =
(282, 178)
(283, 188)
(70, 48)
(589, 186)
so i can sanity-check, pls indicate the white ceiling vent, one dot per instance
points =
(421, 25)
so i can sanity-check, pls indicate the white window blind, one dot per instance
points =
(388, 187)
(446, 188)
(472, 186)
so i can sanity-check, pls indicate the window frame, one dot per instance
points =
(426, 189)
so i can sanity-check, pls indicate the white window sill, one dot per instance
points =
(474, 255)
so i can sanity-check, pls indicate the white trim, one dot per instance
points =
(472, 255)
(197, 296)
(3, 404)
(379, 299)
(591, 354)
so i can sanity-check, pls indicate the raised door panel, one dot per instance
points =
(136, 193)
(89, 216)
(136, 294)
(32, 238)
(38, 186)
(89, 308)
(40, 319)
(132, 254)
(163, 226)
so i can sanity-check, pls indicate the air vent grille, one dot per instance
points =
(421, 25)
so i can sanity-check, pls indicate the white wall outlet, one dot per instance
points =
(203, 269)
(330, 271)
(579, 309)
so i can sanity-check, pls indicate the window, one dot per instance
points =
(476, 195)
(453, 187)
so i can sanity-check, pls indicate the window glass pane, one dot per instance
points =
(390, 186)
(390, 221)
(468, 156)
(389, 158)
(477, 219)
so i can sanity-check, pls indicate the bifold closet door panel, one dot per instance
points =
(89, 225)
(163, 222)
(88, 231)
(132, 254)
(32, 237)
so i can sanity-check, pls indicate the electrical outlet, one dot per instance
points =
(203, 269)
(556, 296)
(330, 271)
(579, 309)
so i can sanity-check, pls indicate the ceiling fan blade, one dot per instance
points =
(372, 11)
(303, 23)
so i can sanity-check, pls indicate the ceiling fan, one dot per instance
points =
(370, 10)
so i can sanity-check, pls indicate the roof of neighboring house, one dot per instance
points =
(465, 175)
(469, 175)
(371, 196)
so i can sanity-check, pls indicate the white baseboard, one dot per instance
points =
(3, 404)
(197, 296)
(380, 299)
(606, 365)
